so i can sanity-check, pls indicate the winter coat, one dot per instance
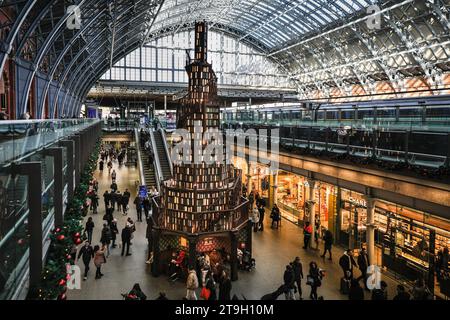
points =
(106, 235)
(347, 262)
(114, 230)
(275, 214)
(192, 280)
(87, 252)
(363, 261)
(211, 285)
(99, 258)
(328, 239)
(126, 234)
(255, 216)
(89, 226)
(289, 279)
(298, 270)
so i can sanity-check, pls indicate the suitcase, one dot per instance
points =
(345, 286)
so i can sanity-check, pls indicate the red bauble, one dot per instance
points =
(20, 241)
(77, 235)
(57, 230)
(78, 241)
(62, 282)
(61, 237)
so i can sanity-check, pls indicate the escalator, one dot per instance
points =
(149, 170)
(160, 151)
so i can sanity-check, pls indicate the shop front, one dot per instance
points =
(293, 193)
(259, 176)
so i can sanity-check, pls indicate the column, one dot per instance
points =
(370, 229)
(70, 146)
(311, 205)
(57, 155)
(165, 109)
(273, 186)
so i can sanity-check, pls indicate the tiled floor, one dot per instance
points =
(273, 249)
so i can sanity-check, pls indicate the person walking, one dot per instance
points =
(105, 238)
(101, 165)
(289, 283)
(119, 201)
(94, 202)
(225, 287)
(126, 240)
(211, 286)
(255, 219)
(191, 284)
(109, 165)
(87, 253)
(125, 201)
(99, 260)
(307, 233)
(314, 279)
(106, 199)
(147, 207)
(262, 212)
(113, 176)
(363, 264)
(275, 215)
(114, 232)
(89, 228)
(355, 292)
(328, 242)
(347, 262)
(298, 275)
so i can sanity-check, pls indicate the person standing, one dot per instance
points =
(262, 212)
(211, 286)
(315, 279)
(298, 275)
(126, 239)
(113, 175)
(275, 215)
(381, 293)
(191, 284)
(119, 201)
(307, 233)
(100, 165)
(138, 203)
(328, 242)
(99, 260)
(89, 228)
(363, 264)
(255, 219)
(87, 253)
(106, 198)
(347, 263)
(110, 165)
(289, 283)
(225, 287)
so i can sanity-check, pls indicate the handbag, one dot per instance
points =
(205, 293)
(309, 280)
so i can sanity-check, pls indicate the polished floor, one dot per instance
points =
(273, 249)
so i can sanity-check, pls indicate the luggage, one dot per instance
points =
(345, 286)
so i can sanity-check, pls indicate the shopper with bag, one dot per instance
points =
(314, 279)
(211, 286)
(191, 284)
(99, 260)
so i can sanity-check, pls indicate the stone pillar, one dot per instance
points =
(311, 203)
(249, 178)
(370, 229)
(165, 108)
(233, 256)
(273, 186)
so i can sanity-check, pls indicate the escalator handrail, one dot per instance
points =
(140, 166)
(158, 171)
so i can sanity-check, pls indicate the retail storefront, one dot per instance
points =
(259, 177)
(292, 194)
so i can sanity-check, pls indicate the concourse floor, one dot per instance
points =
(273, 249)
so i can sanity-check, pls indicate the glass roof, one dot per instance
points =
(272, 23)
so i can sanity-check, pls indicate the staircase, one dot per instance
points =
(162, 155)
